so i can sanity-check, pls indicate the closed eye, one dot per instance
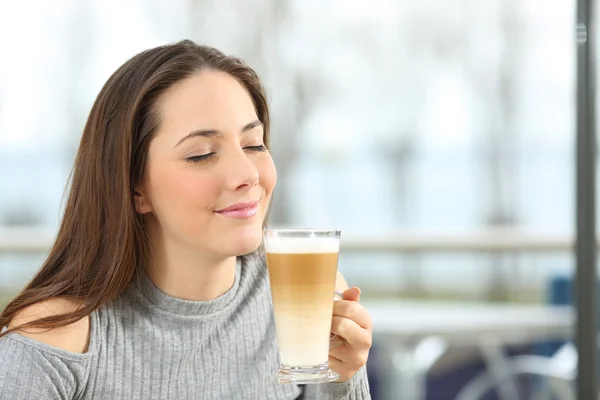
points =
(261, 147)
(203, 157)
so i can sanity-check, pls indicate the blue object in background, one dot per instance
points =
(560, 293)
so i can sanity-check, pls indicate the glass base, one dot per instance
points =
(305, 375)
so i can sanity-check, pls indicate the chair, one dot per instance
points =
(559, 372)
(555, 363)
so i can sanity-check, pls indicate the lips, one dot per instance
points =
(240, 210)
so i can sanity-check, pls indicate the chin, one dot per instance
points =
(246, 241)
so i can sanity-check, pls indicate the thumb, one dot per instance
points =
(352, 294)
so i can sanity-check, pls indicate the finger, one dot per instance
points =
(352, 294)
(350, 357)
(335, 361)
(336, 342)
(341, 368)
(351, 332)
(353, 311)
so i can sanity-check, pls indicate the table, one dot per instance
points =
(414, 334)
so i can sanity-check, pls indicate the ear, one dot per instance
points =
(142, 201)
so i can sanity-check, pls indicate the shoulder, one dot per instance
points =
(73, 338)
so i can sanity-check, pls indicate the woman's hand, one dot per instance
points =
(349, 350)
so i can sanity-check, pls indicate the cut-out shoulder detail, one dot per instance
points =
(73, 338)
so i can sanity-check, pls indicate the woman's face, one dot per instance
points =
(209, 177)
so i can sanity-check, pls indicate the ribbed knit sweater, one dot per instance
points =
(147, 345)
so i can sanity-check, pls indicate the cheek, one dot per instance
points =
(182, 190)
(267, 174)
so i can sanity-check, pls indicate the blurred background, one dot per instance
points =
(439, 136)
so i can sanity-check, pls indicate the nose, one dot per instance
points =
(241, 173)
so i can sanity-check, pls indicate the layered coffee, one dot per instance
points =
(302, 273)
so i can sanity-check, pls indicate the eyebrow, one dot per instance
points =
(209, 133)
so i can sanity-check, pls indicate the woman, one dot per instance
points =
(156, 287)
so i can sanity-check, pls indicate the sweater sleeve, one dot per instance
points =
(33, 370)
(357, 388)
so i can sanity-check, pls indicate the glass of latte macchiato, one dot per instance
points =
(302, 266)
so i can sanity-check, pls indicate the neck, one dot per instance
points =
(183, 273)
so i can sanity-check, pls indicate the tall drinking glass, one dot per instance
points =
(302, 266)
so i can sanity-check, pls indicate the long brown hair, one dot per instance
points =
(102, 239)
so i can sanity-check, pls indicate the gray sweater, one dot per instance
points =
(148, 345)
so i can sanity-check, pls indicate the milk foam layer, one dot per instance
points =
(283, 245)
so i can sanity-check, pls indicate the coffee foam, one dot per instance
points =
(287, 245)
